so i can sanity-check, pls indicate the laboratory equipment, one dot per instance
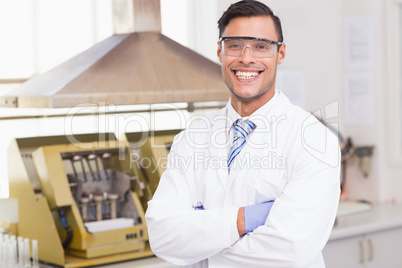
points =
(82, 201)
(149, 151)
(364, 153)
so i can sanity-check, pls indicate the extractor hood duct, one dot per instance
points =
(139, 67)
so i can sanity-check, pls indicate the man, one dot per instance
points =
(255, 184)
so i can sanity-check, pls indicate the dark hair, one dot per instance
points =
(248, 8)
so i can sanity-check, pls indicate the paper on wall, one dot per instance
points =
(359, 43)
(359, 99)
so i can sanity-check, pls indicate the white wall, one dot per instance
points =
(359, 187)
(384, 183)
(174, 15)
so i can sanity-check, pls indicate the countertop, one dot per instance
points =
(150, 262)
(380, 217)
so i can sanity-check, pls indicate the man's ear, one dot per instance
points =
(219, 52)
(281, 53)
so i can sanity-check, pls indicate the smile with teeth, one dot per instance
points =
(246, 75)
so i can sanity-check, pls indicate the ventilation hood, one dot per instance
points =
(139, 67)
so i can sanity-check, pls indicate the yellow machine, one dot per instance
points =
(84, 198)
(149, 151)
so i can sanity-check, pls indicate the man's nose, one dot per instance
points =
(247, 55)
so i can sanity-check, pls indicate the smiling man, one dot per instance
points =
(249, 58)
(260, 187)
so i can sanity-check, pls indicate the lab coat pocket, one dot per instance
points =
(269, 184)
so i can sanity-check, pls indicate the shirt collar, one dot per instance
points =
(255, 117)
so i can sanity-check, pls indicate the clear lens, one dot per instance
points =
(259, 48)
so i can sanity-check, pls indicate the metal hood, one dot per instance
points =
(141, 67)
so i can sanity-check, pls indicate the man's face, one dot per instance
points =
(239, 72)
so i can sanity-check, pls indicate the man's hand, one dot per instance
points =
(240, 222)
(251, 217)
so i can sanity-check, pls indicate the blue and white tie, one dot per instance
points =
(242, 129)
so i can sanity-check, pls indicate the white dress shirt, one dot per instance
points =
(290, 158)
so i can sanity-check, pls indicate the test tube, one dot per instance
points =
(35, 261)
(20, 241)
(13, 243)
(98, 200)
(106, 206)
(26, 257)
(5, 250)
(10, 254)
(113, 210)
(1, 250)
(84, 208)
(3, 255)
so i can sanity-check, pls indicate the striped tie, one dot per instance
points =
(242, 129)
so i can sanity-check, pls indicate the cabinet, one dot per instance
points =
(371, 250)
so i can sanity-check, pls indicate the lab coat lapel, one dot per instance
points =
(218, 146)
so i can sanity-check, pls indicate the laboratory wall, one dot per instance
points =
(377, 186)
(384, 181)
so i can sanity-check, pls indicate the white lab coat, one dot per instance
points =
(290, 158)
